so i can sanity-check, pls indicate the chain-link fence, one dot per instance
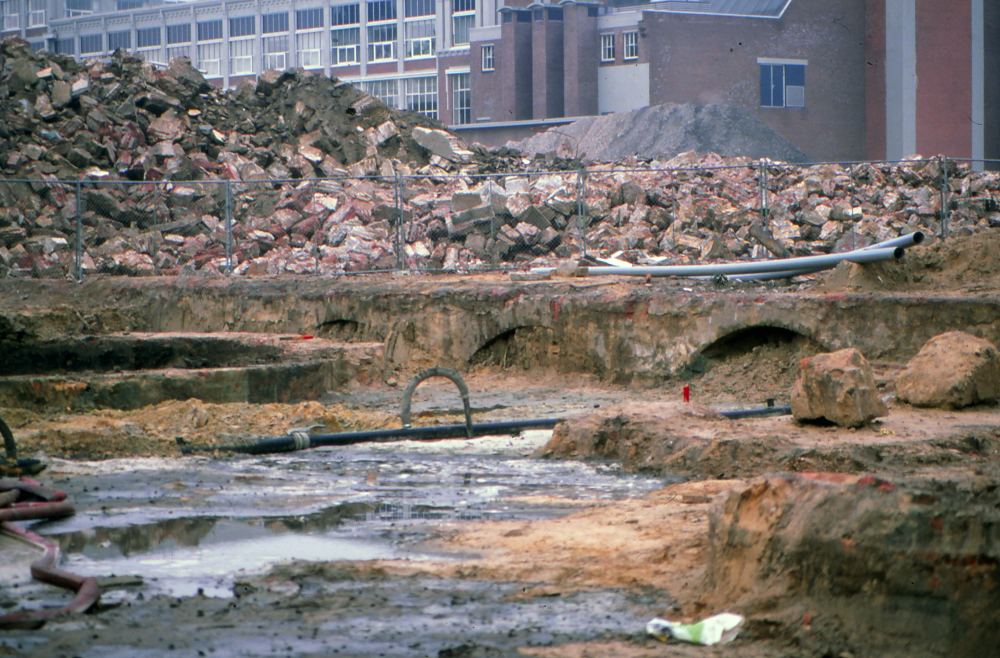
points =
(702, 210)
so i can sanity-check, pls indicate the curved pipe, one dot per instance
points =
(437, 371)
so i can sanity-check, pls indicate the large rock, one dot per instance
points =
(838, 387)
(951, 370)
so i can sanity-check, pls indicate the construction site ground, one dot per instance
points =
(875, 541)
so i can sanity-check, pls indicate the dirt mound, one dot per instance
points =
(969, 263)
(879, 568)
(662, 132)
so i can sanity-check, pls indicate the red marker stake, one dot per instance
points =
(687, 393)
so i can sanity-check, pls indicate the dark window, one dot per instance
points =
(524, 17)
(118, 40)
(179, 33)
(464, 5)
(538, 14)
(90, 43)
(345, 15)
(242, 26)
(508, 17)
(381, 10)
(271, 23)
(128, 5)
(147, 37)
(65, 46)
(309, 19)
(210, 31)
(419, 8)
(782, 85)
(592, 12)
(555, 14)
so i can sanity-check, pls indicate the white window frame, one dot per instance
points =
(418, 98)
(76, 11)
(461, 111)
(419, 47)
(382, 51)
(608, 47)
(309, 58)
(313, 11)
(385, 89)
(465, 17)
(630, 45)
(128, 46)
(12, 15)
(241, 64)
(799, 90)
(274, 47)
(345, 55)
(203, 65)
(486, 59)
(36, 13)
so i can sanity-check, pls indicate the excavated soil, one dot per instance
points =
(878, 541)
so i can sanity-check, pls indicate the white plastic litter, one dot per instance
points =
(717, 629)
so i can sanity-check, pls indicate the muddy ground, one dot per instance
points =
(878, 541)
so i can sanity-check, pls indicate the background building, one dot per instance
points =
(843, 80)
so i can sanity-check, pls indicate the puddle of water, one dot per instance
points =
(210, 562)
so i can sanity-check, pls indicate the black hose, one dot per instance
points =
(303, 441)
(754, 413)
(8, 442)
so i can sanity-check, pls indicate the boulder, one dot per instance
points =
(838, 387)
(952, 370)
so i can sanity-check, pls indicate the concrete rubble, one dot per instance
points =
(325, 179)
(838, 387)
(952, 370)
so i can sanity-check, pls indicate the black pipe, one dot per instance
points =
(754, 413)
(303, 441)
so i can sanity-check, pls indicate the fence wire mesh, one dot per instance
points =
(385, 221)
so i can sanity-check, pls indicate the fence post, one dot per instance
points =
(943, 162)
(79, 231)
(763, 190)
(400, 256)
(581, 209)
(493, 226)
(229, 227)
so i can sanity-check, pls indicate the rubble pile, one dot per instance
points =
(321, 178)
(663, 132)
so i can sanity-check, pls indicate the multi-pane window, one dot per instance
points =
(419, 37)
(346, 46)
(147, 37)
(178, 41)
(345, 15)
(90, 44)
(210, 30)
(381, 42)
(630, 45)
(240, 56)
(79, 8)
(275, 52)
(415, 8)
(37, 46)
(461, 98)
(272, 23)
(11, 15)
(309, 19)
(386, 90)
(345, 40)
(308, 47)
(487, 58)
(422, 95)
(242, 26)
(463, 19)
(381, 10)
(122, 39)
(128, 5)
(147, 43)
(782, 85)
(65, 46)
(210, 54)
(36, 13)
(607, 47)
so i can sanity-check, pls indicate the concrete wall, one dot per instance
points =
(713, 59)
(580, 61)
(991, 80)
(875, 80)
(623, 88)
(944, 73)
